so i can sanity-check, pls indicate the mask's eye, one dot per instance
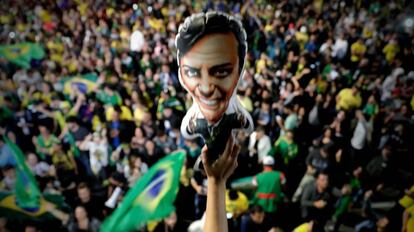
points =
(222, 73)
(191, 73)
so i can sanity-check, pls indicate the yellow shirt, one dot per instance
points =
(238, 206)
(410, 223)
(412, 102)
(357, 49)
(302, 228)
(347, 100)
(390, 50)
(125, 113)
(139, 115)
(260, 65)
(246, 102)
(407, 201)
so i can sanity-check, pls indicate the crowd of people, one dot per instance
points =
(329, 85)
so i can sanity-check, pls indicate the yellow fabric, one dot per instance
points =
(45, 16)
(60, 118)
(83, 8)
(63, 159)
(302, 38)
(152, 225)
(407, 201)
(356, 50)
(410, 222)
(125, 113)
(4, 19)
(347, 100)
(412, 102)
(246, 102)
(10, 203)
(96, 123)
(238, 206)
(260, 65)
(302, 228)
(390, 50)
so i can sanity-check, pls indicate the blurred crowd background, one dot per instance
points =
(329, 84)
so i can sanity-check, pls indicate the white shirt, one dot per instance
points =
(98, 155)
(360, 135)
(263, 147)
(340, 48)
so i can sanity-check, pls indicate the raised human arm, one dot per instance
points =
(218, 172)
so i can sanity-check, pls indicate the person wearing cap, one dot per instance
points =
(269, 184)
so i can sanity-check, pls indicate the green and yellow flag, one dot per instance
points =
(85, 83)
(27, 192)
(151, 198)
(10, 210)
(26, 202)
(22, 53)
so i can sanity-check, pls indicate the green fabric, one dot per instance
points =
(268, 183)
(26, 189)
(5, 113)
(194, 152)
(326, 71)
(291, 122)
(343, 206)
(151, 198)
(370, 109)
(16, 214)
(287, 149)
(45, 144)
(22, 53)
(113, 100)
(71, 140)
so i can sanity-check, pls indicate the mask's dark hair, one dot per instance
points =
(199, 25)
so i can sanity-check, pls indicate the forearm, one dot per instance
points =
(216, 220)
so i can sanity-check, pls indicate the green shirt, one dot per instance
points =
(269, 190)
(287, 149)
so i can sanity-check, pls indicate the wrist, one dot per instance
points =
(215, 182)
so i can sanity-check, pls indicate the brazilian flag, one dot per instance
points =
(12, 211)
(26, 190)
(26, 201)
(151, 198)
(22, 53)
(85, 83)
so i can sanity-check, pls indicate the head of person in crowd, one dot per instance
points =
(171, 220)
(80, 213)
(322, 182)
(325, 150)
(72, 123)
(211, 53)
(257, 214)
(260, 132)
(84, 192)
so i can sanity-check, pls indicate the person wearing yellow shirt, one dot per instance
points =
(236, 203)
(358, 50)
(407, 201)
(261, 63)
(348, 99)
(390, 50)
(245, 100)
(412, 102)
(125, 114)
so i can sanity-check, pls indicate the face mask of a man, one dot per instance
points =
(211, 50)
